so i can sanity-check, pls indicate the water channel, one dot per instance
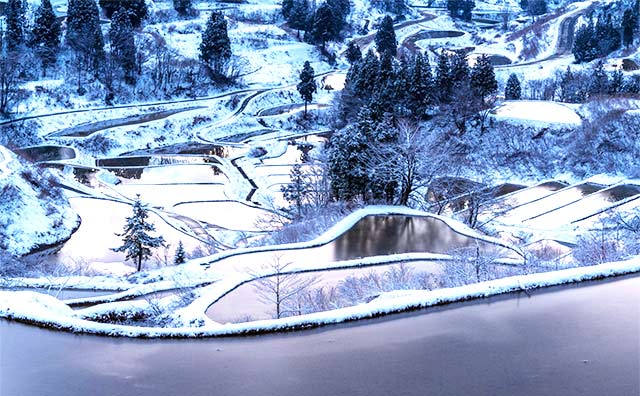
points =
(572, 340)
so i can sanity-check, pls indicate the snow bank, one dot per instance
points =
(537, 113)
(33, 211)
(49, 312)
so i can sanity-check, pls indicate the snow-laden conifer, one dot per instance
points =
(136, 241)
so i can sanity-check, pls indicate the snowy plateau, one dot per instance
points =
(281, 207)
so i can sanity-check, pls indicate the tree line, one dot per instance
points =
(32, 41)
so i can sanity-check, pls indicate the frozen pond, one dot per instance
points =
(580, 340)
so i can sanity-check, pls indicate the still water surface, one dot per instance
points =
(574, 340)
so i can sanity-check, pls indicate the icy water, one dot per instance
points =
(371, 236)
(572, 340)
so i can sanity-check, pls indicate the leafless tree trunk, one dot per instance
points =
(282, 287)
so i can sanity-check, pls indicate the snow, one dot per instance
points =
(48, 311)
(538, 113)
(50, 218)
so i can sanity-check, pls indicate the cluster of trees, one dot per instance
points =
(610, 30)
(534, 7)
(578, 87)
(320, 25)
(461, 9)
(378, 156)
(39, 36)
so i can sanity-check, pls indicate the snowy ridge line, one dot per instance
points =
(97, 283)
(248, 204)
(348, 222)
(46, 311)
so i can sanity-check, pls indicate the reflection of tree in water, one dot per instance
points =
(128, 173)
(382, 235)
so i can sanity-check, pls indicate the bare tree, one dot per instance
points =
(10, 68)
(282, 288)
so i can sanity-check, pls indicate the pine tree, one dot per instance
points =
(386, 37)
(123, 46)
(353, 53)
(295, 191)
(347, 162)
(599, 82)
(180, 257)
(460, 9)
(182, 7)
(287, 6)
(628, 27)
(15, 24)
(512, 90)
(215, 48)
(420, 85)
(84, 35)
(459, 71)
(137, 9)
(341, 9)
(307, 85)
(323, 28)
(45, 35)
(298, 17)
(483, 79)
(537, 7)
(617, 82)
(584, 45)
(137, 243)
(443, 80)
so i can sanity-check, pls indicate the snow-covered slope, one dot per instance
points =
(33, 211)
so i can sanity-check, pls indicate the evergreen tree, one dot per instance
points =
(298, 17)
(459, 71)
(512, 90)
(420, 86)
(341, 9)
(287, 6)
(45, 35)
(606, 36)
(137, 9)
(180, 257)
(571, 90)
(182, 7)
(367, 75)
(215, 48)
(353, 53)
(136, 241)
(123, 47)
(584, 45)
(347, 160)
(461, 9)
(296, 191)
(483, 79)
(323, 28)
(616, 85)
(599, 82)
(443, 80)
(628, 27)
(84, 35)
(386, 37)
(307, 85)
(15, 24)
(537, 7)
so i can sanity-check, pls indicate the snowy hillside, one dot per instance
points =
(34, 213)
